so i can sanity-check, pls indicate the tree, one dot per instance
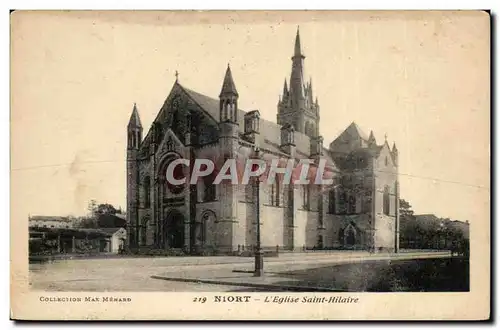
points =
(106, 209)
(410, 231)
(92, 207)
(405, 209)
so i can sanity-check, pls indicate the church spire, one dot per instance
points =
(135, 120)
(228, 86)
(297, 105)
(134, 130)
(228, 109)
(297, 77)
(298, 49)
(371, 139)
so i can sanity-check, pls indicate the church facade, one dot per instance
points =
(359, 210)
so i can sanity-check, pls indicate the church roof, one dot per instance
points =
(354, 131)
(270, 133)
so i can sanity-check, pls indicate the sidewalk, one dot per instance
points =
(290, 274)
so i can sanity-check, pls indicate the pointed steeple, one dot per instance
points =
(297, 83)
(371, 139)
(297, 49)
(395, 154)
(135, 120)
(228, 86)
(228, 99)
(285, 89)
(134, 130)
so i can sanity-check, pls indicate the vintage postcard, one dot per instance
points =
(250, 165)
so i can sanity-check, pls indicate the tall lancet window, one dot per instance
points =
(306, 190)
(275, 193)
(147, 192)
(352, 203)
(228, 111)
(332, 207)
(387, 202)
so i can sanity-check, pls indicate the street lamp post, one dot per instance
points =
(259, 260)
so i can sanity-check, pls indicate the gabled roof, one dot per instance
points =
(354, 131)
(270, 133)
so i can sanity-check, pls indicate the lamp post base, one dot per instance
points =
(259, 263)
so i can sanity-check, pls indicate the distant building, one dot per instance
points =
(42, 221)
(111, 221)
(116, 241)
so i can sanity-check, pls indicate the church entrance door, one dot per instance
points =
(350, 238)
(174, 230)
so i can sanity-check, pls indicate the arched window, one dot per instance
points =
(332, 207)
(278, 191)
(228, 110)
(342, 209)
(386, 201)
(351, 204)
(275, 192)
(306, 197)
(147, 192)
(144, 231)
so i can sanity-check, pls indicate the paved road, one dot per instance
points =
(134, 274)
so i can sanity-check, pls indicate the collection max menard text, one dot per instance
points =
(215, 299)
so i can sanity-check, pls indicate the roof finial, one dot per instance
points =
(176, 76)
(385, 136)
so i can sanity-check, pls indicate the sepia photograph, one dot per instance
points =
(277, 161)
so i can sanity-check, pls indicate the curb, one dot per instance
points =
(251, 285)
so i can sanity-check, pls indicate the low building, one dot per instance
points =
(49, 221)
(116, 240)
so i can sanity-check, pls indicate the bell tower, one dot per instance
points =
(297, 106)
(134, 138)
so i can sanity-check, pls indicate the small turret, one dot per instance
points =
(228, 99)
(134, 130)
(287, 138)
(252, 124)
(371, 139)
(395, 153)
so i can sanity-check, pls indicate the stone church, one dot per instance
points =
(358, 211)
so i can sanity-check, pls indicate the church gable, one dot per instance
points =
(352, 138)
(385, 157)
(171, 143)
(180, 113)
